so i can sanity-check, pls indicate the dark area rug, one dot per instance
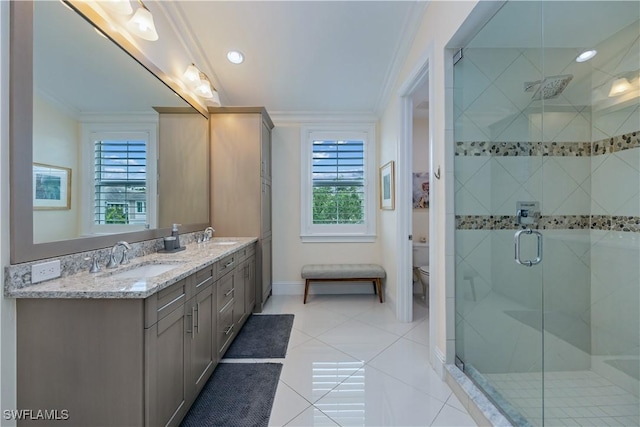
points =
(237, 394)
(263, 336)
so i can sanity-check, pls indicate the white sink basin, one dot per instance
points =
(144, 271)
(227, 243)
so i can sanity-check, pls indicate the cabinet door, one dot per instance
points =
(265, 204)
(168, 350)
(239, 312)
(266, 269)
(266, 152)
(203, 353)
(250, 284)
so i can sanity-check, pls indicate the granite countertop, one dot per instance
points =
(104, 285)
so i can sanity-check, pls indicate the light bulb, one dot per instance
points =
(141, 24)
(192, 74)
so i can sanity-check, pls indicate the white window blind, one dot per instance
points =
(120, 181)
(338, 175)
(338, 182)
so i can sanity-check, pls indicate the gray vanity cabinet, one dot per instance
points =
(133, 362)
(168, 351)
(249, 274)
(202, 313)
(241, 183)
(180, 347)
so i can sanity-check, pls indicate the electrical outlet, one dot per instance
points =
(45, 271)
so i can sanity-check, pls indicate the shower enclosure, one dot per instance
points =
(547, 181)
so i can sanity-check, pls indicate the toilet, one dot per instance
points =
(421, 265)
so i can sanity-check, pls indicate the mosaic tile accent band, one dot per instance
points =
(567, 149)
(550, 222)
(483, 148)
(617, 143)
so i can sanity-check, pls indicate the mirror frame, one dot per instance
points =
(23, 249)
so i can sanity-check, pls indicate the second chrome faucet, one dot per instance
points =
(125, 257)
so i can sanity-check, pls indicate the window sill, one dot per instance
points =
(338, 238)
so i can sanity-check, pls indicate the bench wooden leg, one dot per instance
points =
(374, 286)
(379, 285)
(306, 290)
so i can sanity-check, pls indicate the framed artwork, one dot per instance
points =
(387, 186)
(51, 187)
(420, 190)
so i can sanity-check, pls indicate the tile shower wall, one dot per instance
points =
(583, 167)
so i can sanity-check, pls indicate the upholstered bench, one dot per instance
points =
(343, 273)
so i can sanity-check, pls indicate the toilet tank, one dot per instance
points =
(420, 254)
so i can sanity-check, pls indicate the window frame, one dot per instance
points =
(104, 131)
(310, 232)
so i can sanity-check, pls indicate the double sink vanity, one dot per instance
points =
(133, 345)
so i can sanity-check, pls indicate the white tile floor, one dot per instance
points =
(350, 362)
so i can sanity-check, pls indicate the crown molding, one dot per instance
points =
(283, 118)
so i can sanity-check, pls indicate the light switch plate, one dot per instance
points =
(45, 271)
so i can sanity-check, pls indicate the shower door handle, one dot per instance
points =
(516, 239)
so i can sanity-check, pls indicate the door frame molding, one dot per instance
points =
(418, 76)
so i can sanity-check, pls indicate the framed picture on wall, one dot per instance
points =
(420, 190)
(51, 187)
(387, 186)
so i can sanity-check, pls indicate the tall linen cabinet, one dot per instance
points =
(241, 183)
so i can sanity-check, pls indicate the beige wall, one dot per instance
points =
(289, 253)
(439, 24)
(56, 142)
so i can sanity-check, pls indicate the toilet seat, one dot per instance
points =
(424, 269)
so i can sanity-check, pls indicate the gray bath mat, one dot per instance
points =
(263, 336)
(237, 394)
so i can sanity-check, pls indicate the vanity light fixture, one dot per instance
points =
(619, 86)
(204, 88)
(141, 24)
(586, 55)
(192, 75)
(235, 57)
(215, 98)
(123, 7)
(199, 82)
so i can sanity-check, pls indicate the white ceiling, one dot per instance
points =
(301, 56)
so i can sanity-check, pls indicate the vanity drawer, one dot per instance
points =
(227, 264)
(246, 252)
(203, 278)
(165, 301)
(225, 291)
(226, 329)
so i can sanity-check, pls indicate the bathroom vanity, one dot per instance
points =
(118, 348)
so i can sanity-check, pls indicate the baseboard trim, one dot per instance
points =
(325, 288)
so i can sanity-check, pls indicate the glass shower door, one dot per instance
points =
(548, 141)
(499, 210)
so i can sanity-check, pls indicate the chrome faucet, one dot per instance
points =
(125, 258)
(208, 233)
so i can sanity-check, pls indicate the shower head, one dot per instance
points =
(548, 88)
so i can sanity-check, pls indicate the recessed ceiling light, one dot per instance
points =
(235, 56)
(586, 55)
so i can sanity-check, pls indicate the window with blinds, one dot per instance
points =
(338, 182)
(120, 182)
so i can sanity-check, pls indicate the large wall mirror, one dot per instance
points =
(102, 149)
